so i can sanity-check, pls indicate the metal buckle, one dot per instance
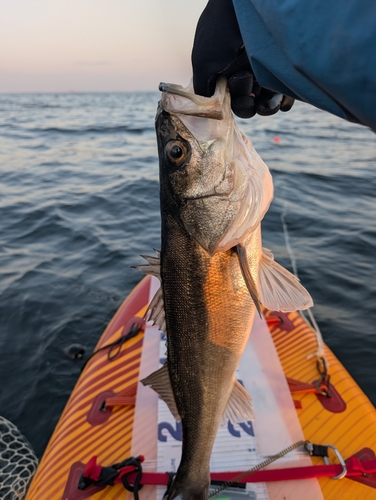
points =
(341, 461)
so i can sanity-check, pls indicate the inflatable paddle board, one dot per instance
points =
(116, 435)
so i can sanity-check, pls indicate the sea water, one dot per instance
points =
(80, 202)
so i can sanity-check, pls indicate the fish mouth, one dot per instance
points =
(210, 195)
(225, 194)
(207, 107)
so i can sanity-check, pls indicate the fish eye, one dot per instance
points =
(177, 152)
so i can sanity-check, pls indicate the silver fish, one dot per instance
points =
(214, 191)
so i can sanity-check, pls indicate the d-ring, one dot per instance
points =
(341, 461)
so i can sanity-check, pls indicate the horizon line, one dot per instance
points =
(75, 92)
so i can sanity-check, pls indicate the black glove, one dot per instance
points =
(218, 49)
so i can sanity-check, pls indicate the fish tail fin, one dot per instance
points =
(185, 491)
(202, 495)
(188, 494)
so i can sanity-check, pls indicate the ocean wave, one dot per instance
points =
(80, 203)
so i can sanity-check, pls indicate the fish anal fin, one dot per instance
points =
(248, 278)
(239, 407)
(159, 381)
(279, 289)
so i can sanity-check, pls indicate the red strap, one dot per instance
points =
(121, 401)
(298, 404)
(297, 386)
(273, 320)
(354, 466)
(364, 467)
(123, 398)
(126, 470)
(92, 470)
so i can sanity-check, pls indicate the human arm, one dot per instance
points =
(219, 50)
(323, 53)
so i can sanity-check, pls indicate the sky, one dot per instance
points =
(95, 45)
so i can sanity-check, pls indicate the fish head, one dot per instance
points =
(193, 180)
(215, 184)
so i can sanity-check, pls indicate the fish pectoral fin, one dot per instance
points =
(239, 407)
(279, 289)
(153, 265)
(159, 381)
(247, 276)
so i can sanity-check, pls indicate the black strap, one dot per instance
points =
(317, 450)
(109, 474)
(106, 478)
(136, 486)
(115, 347)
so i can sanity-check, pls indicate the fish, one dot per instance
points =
(214, 191)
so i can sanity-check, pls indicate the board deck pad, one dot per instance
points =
(283, 348)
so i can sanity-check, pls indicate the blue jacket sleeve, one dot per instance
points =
(320, 52)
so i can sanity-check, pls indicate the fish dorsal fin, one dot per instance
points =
(239, 407)
(153, 265)
(159, 381)
(249, 281)
(279, 289)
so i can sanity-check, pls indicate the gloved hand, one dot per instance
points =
(218, 49)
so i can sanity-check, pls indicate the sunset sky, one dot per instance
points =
(95, 45)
